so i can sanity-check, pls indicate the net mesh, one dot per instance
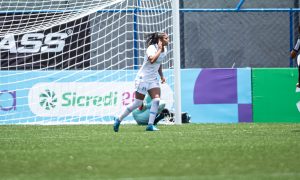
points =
(75, 61)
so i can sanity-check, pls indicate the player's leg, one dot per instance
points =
(298, 84)
(160, 115)
(138, 101)
(155, 95)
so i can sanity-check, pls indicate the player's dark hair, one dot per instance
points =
(153, 38)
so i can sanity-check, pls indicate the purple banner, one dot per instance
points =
(216, 86)
(217, 95)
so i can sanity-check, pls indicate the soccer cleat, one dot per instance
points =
(116, 124)
(298, 85)
(151, 128)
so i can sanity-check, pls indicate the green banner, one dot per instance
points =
(274, 95)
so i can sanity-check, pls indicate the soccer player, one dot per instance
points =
(294, 54)
(147, 79)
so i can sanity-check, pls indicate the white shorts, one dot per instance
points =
(143, 87)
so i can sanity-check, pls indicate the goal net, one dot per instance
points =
(74, 61)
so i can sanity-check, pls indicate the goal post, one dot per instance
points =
(176, 49)
(75, 61)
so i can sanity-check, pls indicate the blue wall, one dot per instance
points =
(208, 95)
(217, 95)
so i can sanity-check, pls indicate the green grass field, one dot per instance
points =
(192, 151)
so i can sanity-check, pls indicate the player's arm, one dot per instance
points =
(152, 58)
(160, 72)
(293, 54)
(295, 50)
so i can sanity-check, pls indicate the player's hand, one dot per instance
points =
(142, 107)
(293, 54)
(160, 44)
(163, 80)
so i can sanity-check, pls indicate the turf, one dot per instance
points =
(192, 151)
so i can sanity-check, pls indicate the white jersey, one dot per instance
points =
(148, 71)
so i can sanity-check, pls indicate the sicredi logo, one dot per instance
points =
(84, 98)
(76, 99)
(8, 100)
(48, 100)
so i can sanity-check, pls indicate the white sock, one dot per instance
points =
(153, 110)
(135, 104)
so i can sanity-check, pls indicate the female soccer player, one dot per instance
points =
(294, 54)
(147, 78)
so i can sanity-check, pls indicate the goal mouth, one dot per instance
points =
(77, 64)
